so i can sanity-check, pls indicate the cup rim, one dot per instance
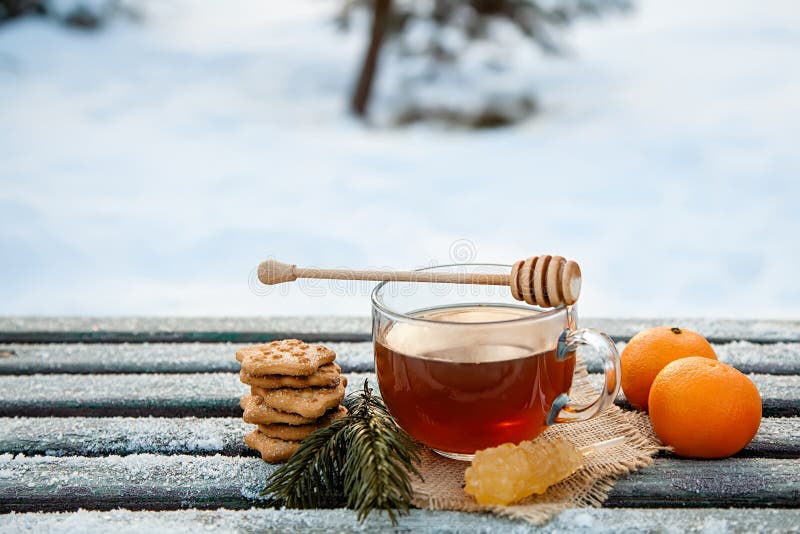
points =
(543, 312)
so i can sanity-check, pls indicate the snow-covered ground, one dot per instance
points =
(147, 168)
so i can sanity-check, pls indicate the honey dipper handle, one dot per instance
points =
(274, 272)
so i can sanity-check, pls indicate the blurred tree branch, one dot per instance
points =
(363, 89)
(11, 9)
(81, 15)
(539, 20)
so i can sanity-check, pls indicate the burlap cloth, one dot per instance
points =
(442, 487)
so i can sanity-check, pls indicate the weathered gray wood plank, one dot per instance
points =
(180, 329)
(82, 358)
(780, 395)
(580, 520)
(153, 482)
(165, 395)
(217, 394)
(103, 436)
(715, 330)
(761, 358)
(776, 438)
(705, 483)
(249, 329)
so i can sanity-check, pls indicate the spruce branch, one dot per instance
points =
(312, 478)
(363, 461)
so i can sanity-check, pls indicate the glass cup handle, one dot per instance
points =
(564, 411)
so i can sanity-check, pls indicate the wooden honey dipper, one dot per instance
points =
(545, 281)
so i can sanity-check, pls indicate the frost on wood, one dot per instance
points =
(129, 478)
(581, 520)
(120, 357)
(151, 357)
(217, 394)
(780, 395)
(148, 481)
(746, 356)
(772, 358)
(261, 520)
(166, 395)
(254, 520)
(101, 436)
(319, 326)
(143, 325)
(146, 389)
(96, 436)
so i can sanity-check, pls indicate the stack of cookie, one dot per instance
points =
(295, 388)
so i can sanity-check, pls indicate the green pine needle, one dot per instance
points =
(363, 461)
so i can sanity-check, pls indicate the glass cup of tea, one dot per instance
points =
(465, 367)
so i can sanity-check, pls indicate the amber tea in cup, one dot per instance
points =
(465, 368)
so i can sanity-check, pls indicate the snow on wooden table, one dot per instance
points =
(142, 414)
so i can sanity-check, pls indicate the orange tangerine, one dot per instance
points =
(704, 408)
(649, 351)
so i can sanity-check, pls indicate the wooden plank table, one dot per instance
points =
(135, 422)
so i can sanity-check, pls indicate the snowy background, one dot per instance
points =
(147, 168)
